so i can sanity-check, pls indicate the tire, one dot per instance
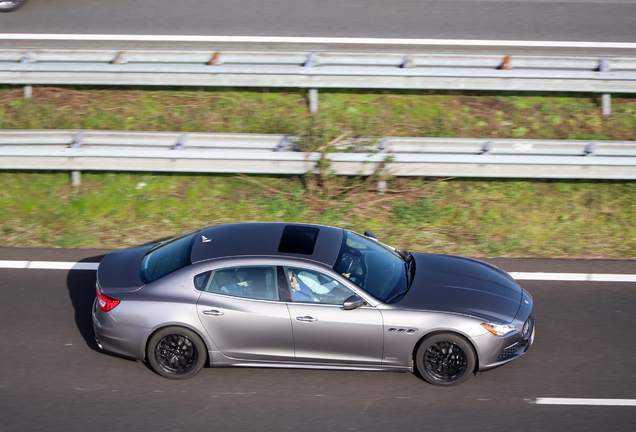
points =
(10, 5)
(176, 353)
(445, 359)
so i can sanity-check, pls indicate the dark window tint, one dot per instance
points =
(298, 240)
(167, 257)
(372, 266)
(201, 280)
(255, 282)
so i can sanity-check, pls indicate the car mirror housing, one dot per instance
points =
(353, 302)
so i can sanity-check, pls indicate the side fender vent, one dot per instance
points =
(402, 330)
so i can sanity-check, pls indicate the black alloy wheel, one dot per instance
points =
(176, 353)
(445, 359)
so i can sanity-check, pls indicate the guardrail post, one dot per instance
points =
(607, 104)
(407, 62)
(120, 58)
(383, 149)
(313, 93)
(28, 58)
(607, 97)
(486, 148)
(76, 178)
(76, 175)
(286, 144)
(313, 101)
(180, 145)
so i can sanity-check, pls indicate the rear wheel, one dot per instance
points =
(176, 353)
(445, 359)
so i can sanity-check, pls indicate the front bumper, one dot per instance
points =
(497, 351)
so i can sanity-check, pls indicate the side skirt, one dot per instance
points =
(217, 359)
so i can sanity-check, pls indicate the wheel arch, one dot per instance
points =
(182, 325)
(442, 331)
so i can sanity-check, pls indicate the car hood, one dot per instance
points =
(119, 270)
(462, 285)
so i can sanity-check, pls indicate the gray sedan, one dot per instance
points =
(307, 296)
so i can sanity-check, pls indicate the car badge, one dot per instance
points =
(205, 239)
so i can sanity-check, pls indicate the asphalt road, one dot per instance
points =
(573, 20)
(54, 378)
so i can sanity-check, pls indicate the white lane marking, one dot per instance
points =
(550, 276)
(574, 277)
(52, 265)
(568, 277)
(48, 265)
(612, 278)
(315, 40)
(14, 264)
(584, 401)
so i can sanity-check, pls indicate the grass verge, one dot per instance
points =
(469, 217)
(466, 217)
(362, 113)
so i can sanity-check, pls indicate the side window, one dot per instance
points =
(201, 280)
(308, 286)
(254, 282)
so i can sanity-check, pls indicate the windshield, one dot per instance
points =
(374, 267)
(167, 257)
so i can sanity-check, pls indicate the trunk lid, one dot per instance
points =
(119, 271)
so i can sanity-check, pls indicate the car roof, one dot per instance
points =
(264, 239)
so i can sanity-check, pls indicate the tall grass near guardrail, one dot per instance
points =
(361, 113)
(477, 218)
(504, 218)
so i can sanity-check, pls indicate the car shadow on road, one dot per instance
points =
(81, 290)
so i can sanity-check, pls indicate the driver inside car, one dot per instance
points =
(312, 281)
(300, 292)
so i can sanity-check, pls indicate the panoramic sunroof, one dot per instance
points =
(298, 240)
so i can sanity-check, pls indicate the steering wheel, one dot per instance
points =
(354, 259)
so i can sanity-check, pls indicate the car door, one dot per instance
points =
(324, 332)
(241, 312)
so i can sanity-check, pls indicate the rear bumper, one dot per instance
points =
(114, 341)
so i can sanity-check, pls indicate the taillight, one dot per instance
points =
(106, 303)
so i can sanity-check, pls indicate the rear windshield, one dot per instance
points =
(167, 257)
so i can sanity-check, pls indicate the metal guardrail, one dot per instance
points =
(76, 151)
(320, 70)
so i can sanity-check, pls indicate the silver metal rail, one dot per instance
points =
(316, 70)
(76, 151)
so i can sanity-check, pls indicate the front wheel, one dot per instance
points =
(445, 359)
(176, 353)
(10, 5)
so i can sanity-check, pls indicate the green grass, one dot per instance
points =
(470, 217)
(362, 113)
(467, 217)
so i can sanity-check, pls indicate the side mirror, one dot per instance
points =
(370, 235)
(353, 302)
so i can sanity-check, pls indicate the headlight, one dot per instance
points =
(499, 329)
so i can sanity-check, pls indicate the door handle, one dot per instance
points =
(306, 319)
(213, 312)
